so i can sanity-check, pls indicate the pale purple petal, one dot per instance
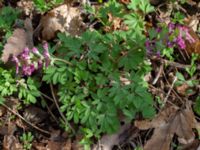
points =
(35, 50)
(25, 54)
(46, 50)
(28, 70)
(180, 42)
(16, 60)
(40, 64)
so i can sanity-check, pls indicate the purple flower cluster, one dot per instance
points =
(31, 60)
(172, 35)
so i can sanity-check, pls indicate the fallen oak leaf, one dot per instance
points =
(184, 123)
(61, 19)
(192, 146)
(108, 141)
(162, 135)
(161, 119)
(193, 47)
(180, 122)
(15, 44)
(11, 143)
(158, 141)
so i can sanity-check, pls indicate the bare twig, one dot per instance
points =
(160, 90)
(46, 96)
(168, 93)
(50, 112)
(173, 89)
(158, 74)
(29, 123)
(61, 114)
(175, 64)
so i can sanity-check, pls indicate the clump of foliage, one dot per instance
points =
(91, 90)
(99, 76)
(27, 139)
(8, 15)
(11, 85)
(44, 5)
(165, 38)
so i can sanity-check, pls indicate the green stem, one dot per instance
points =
(62, 60)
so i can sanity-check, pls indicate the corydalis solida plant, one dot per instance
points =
(172, 35)
(31, 60)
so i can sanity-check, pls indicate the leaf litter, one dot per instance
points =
(61, 19)
(18, 41)
(168, 123)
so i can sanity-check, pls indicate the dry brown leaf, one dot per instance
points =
(2, 111)
(193, 47)
(108, 141)
(63, 19)
(169, 122)
(161, 139)
(34, 114)
(11, 143)
(76, 143)
(182, 89)
(15, 44)
(26, 6)
(124, 1)
(160, 120)
(192, 22)
(192, 146)
(116, 24)
(18, 41)
(52, 145)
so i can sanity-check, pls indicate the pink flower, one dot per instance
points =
(159, 29)
(170, 44)
(148, 46)
(46, 54)
(28, 70)
(25, 54)
(40, 63)
(171, 27)
(180, 41)
(35, 50)
(46, 50)
(16, 60)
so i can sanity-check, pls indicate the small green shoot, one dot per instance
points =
(27, 139)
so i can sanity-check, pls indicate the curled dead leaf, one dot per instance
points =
(116, 23)
(18, 41)
(15, 44)
(192, 146)
(182, 89)
(108, 141)
(11, 143)
(193, 47)
(192, 22)
(169, 122)
(63, 19)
